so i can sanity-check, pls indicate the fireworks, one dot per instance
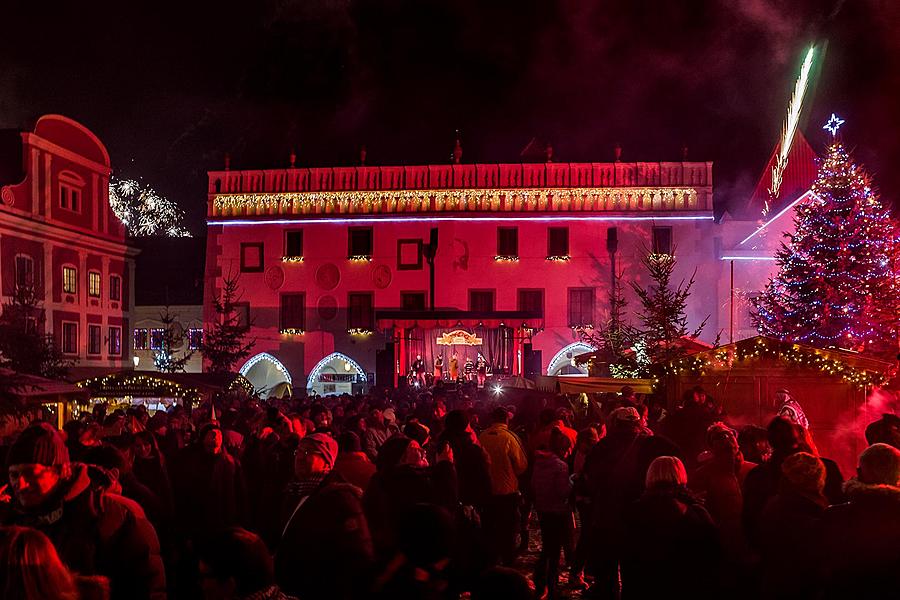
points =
(143, 211)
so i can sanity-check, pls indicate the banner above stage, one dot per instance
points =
(459, 337)
(456, 319)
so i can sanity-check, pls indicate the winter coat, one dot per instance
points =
(718, 482)
(540, 439)
(686, 427)
(326, 550)
(671, 547)
(861, 549)
(209, 491)
(268, 468)
(355, 467)
(375, 437)
(790, 534)
(472, 470)
(391, 493)
(550, 483)
(507, 458)
(763, 482)
(97, 532)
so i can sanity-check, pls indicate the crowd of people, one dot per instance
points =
(433, 495)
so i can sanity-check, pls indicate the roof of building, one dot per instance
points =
(169, 271)
(799, 175)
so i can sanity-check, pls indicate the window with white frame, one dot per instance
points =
(70, 280)
(195, 338)
(156, 338)
(141, 339)
(70, 197)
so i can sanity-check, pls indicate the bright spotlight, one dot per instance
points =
(498, 389)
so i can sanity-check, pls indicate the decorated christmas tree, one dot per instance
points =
(837, 284)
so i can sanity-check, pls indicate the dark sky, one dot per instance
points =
(170, 86)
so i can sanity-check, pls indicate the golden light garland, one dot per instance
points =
(793, 353)
(292, 259)
(359, 331)
(360, 258)
(587, 199)
(506, 258)
(291, 331)
(559, 258)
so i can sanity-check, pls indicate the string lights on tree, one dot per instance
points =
(837, 284)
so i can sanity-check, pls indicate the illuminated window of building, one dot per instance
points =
(140, 339)
(195, 338)
(156, 338)
(115, 287)
(69, 337)
(94, 339)
(70, 280)
(94, 284)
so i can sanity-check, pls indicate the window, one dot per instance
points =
(156, 338)
(293, 312)
(24, 271)
(115, 287)
(252, 258)
(409, 255)
(93, 284)
(360, 311)
(412, 300)
(581, 306)
(293, 244)
(140, 339)
(114, 348)
(70, 280)
(532, 301)
(359, 242)
(662, 240)
(195, 338)
(31, 324)
(69, 197)
(242, 313)
(94, 339)
(481, 300)
(558, 241)
(70, 337)
(507, 241)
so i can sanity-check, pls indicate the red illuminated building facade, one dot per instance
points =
(59, 236)
(335, 277)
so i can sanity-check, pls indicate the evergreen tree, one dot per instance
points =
(837, 284)
(24, 347)
(223, 345)
(663, 319)
(615, 338)
(167, 358)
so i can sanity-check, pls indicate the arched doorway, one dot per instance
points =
(266, 374)
(336, 374)
(563, 362)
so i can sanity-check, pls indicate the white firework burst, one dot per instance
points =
(143, 211)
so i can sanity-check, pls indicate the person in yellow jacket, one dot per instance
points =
(507, 462)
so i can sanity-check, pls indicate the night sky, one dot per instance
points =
(170, 86)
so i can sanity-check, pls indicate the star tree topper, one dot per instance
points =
(833, 124)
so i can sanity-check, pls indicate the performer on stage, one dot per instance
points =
(469, 370)
(454, 367)
(481, 369)
(418, 368)
(438, 368)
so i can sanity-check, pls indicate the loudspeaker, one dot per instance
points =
(612, 239)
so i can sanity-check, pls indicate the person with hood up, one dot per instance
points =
(352, 463)
(325, 550)
(790, 530)
(671, 547)
(95, 532)
(551, 489)
(861, 555)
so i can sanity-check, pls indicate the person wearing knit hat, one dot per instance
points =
(316, 454)
(85, 522)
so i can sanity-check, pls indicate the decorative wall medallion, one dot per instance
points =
(327, 308)
(381, 276)
(328, 276)
(274, 277)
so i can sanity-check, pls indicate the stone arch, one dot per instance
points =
(562, 364)
(265, 373)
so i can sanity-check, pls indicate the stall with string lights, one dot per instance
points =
(832, 385)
